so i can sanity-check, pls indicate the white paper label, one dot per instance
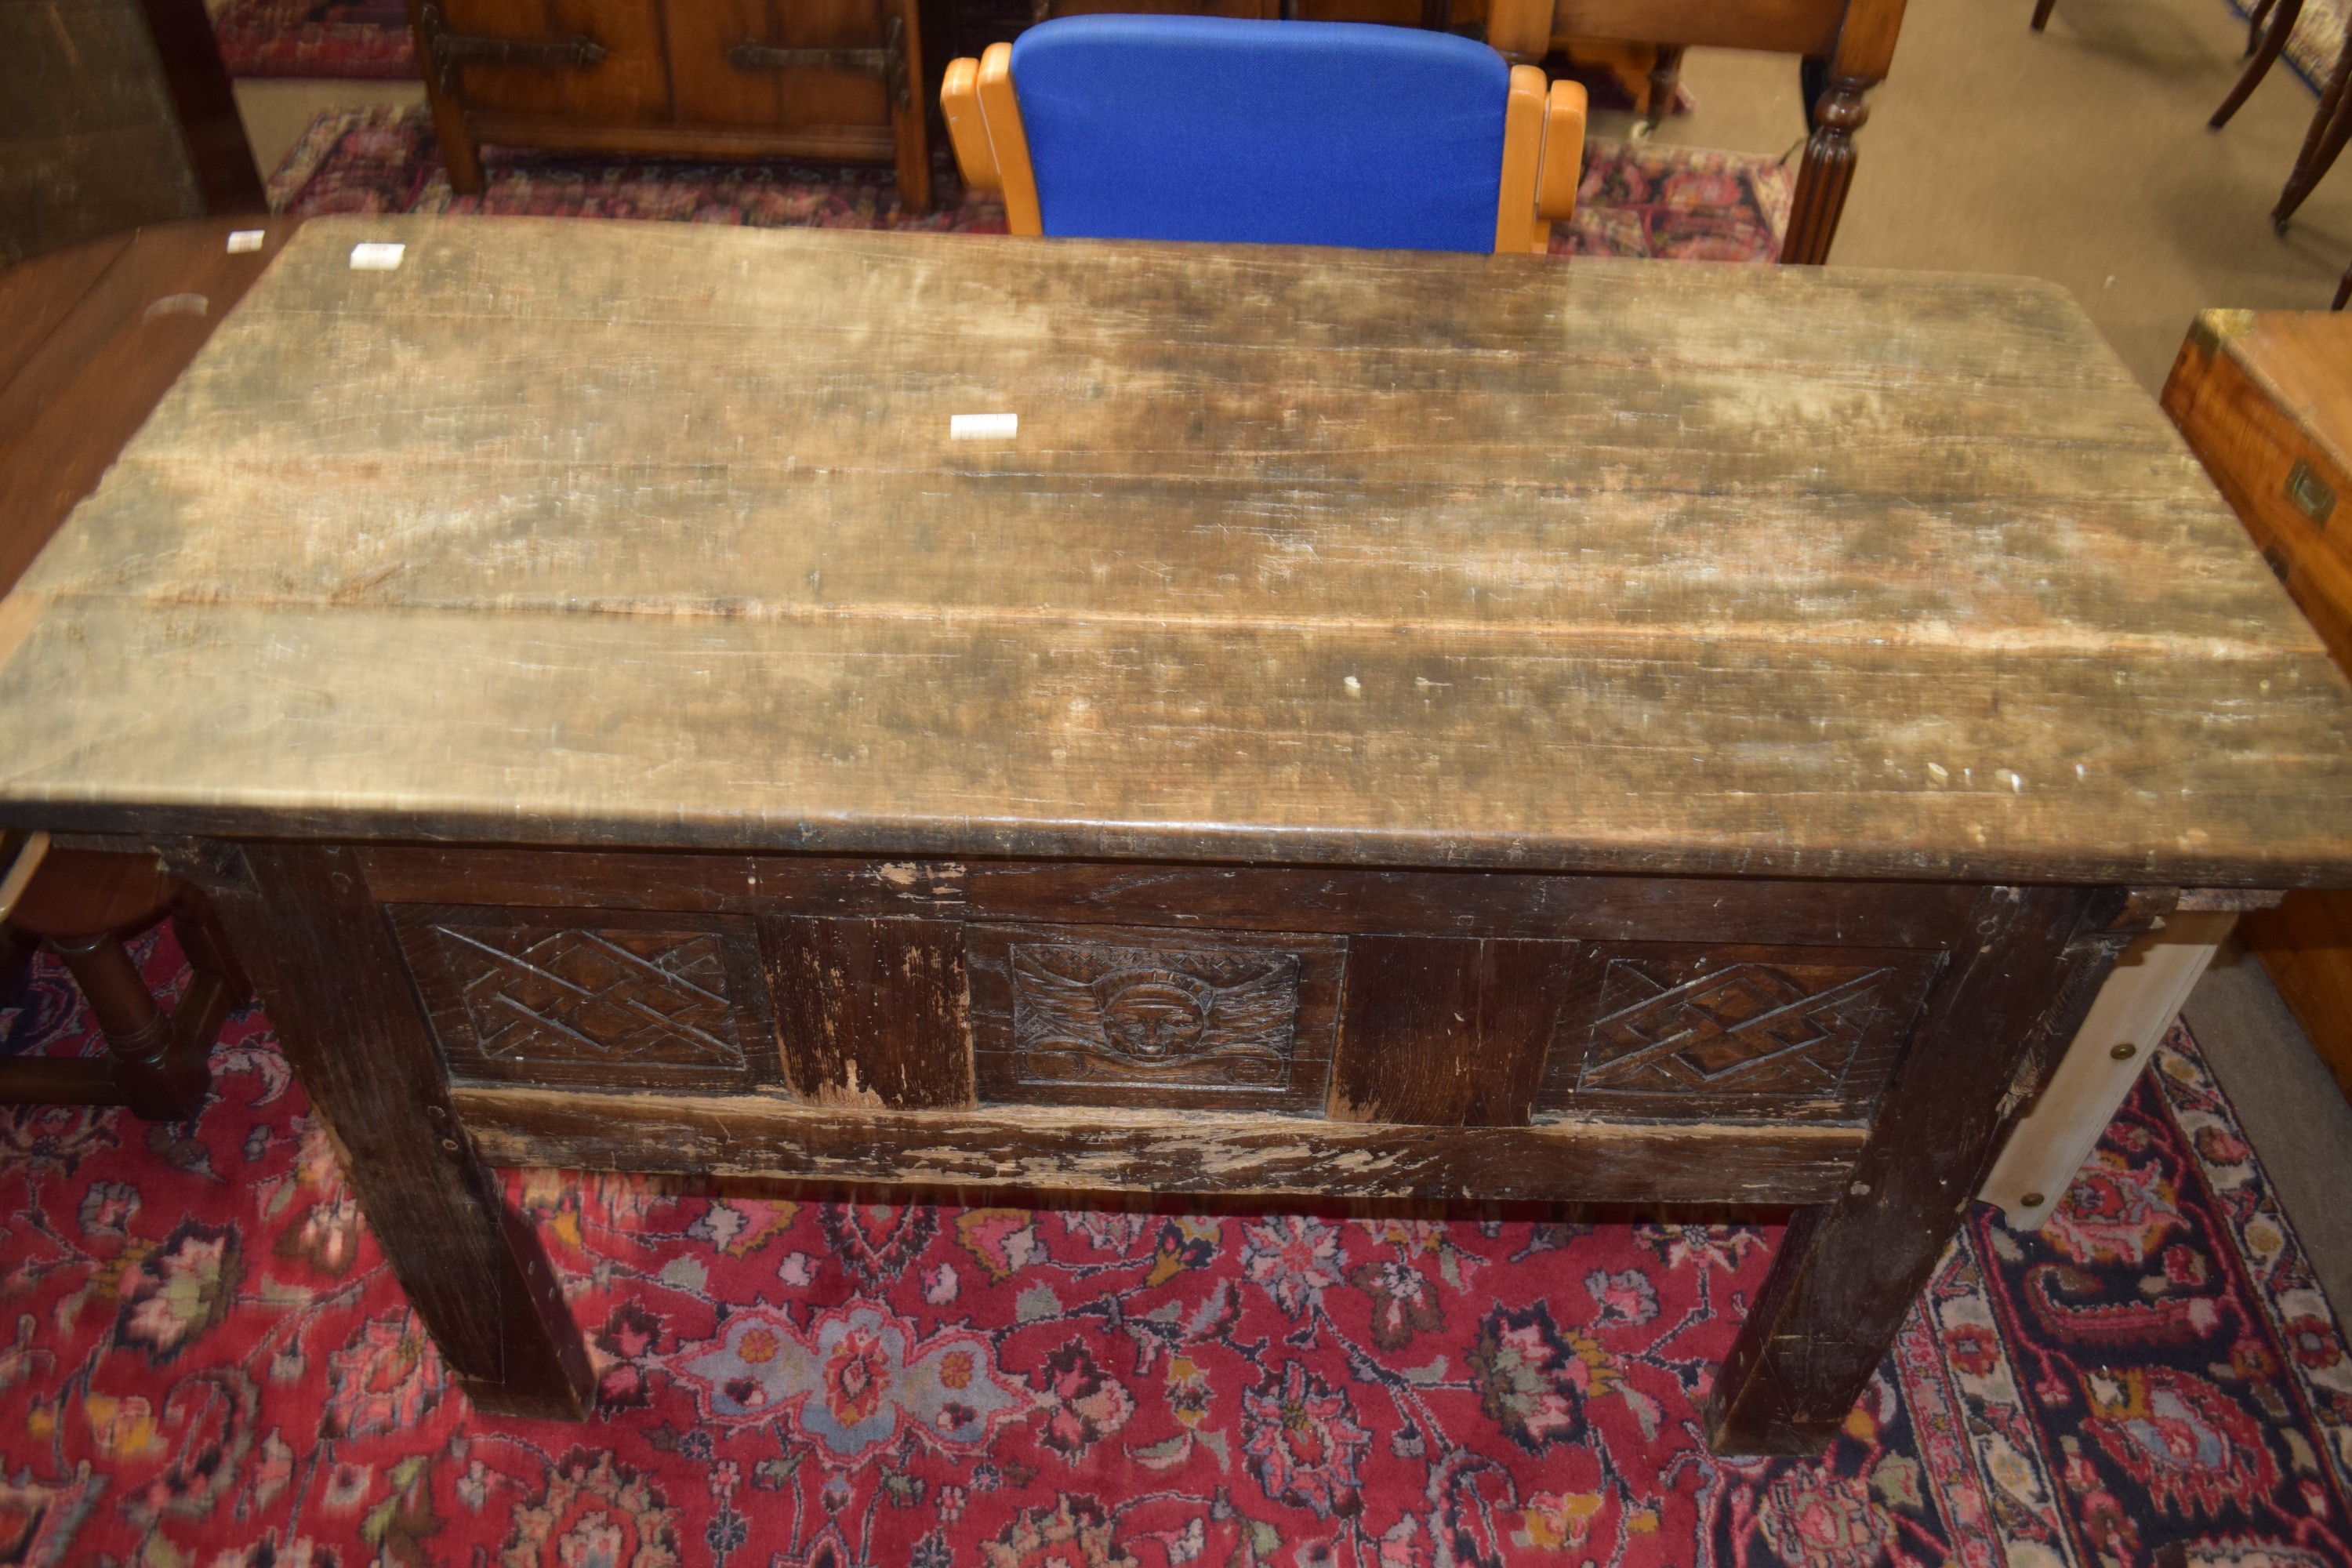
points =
(983, 427)
(241, 240)
(375, 257)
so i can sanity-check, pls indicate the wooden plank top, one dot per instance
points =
(652, 534)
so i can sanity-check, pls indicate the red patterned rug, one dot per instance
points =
(316, 39)
(1638, 199)
(209, 1367)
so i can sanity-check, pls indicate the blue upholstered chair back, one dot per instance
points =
(1276, 132)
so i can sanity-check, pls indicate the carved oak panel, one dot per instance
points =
(1664, 1029)
(606, 998)
(1091, 1015)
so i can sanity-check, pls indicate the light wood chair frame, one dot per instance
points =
(1543, 148)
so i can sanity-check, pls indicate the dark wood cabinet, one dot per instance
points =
(836, 80)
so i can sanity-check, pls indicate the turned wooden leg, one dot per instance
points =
(1665, 78)
(347, 1016)
(2254, 20)
(2264, 48)
(154, 1080)
(1847, 1272)
(2042, 9)
(2343, 291)
(1827, 172)
(2330, 127)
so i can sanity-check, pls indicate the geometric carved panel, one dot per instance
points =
(1709, 1032)
(1764, 1028)
(619, 999)
(1073, 1015)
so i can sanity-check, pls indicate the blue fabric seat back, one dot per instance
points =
(1279, 133)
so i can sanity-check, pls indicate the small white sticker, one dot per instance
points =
(983, 427)
(241, 240)
(375, 257)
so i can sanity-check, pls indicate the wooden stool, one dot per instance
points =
(81, 904)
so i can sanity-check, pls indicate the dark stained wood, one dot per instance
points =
(1091, 1150)
(339, 995)
(220, 159)
(873, 1012)
(95, 337)
(1847, 1272)
(1225, 897)
(1609, 713)
(1727, 1031)
(82, 903)
(701, 80)
(1118, 1016)
(1445, 1032)
(936, 647)
(613, 999)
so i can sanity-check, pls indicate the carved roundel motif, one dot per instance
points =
(1087, 1012)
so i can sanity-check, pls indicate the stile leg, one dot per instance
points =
(1848, 1271)
(347, 1015)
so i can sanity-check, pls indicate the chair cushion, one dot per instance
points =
(1280, 133)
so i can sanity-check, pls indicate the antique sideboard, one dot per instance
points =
(1350, 724)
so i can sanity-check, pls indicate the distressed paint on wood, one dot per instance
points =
(1090, 1150)
(1298, 556)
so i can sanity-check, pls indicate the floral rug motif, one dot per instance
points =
(368, 39)
(205, 1364)
(1638, 198)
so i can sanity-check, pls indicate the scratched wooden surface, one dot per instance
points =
(651, 535)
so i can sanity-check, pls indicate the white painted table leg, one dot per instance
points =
(2134, 1009)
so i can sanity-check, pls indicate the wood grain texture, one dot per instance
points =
(612, 999)
(2305, 946)
(873, 1012)
(1120, 1017)
(1091, 1150)
(1446, 1032)
(1847, 1272)
(1220, 897)
(1413, 560)
(95, 336)
(1725, 1031)
(2264, 399)
(339, 994)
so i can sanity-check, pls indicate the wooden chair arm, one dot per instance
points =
(967, 130)
(1515, 228)
(1008, 143)
(1562, 169)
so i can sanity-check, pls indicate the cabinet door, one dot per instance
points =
(629, 86)
(715, 90)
